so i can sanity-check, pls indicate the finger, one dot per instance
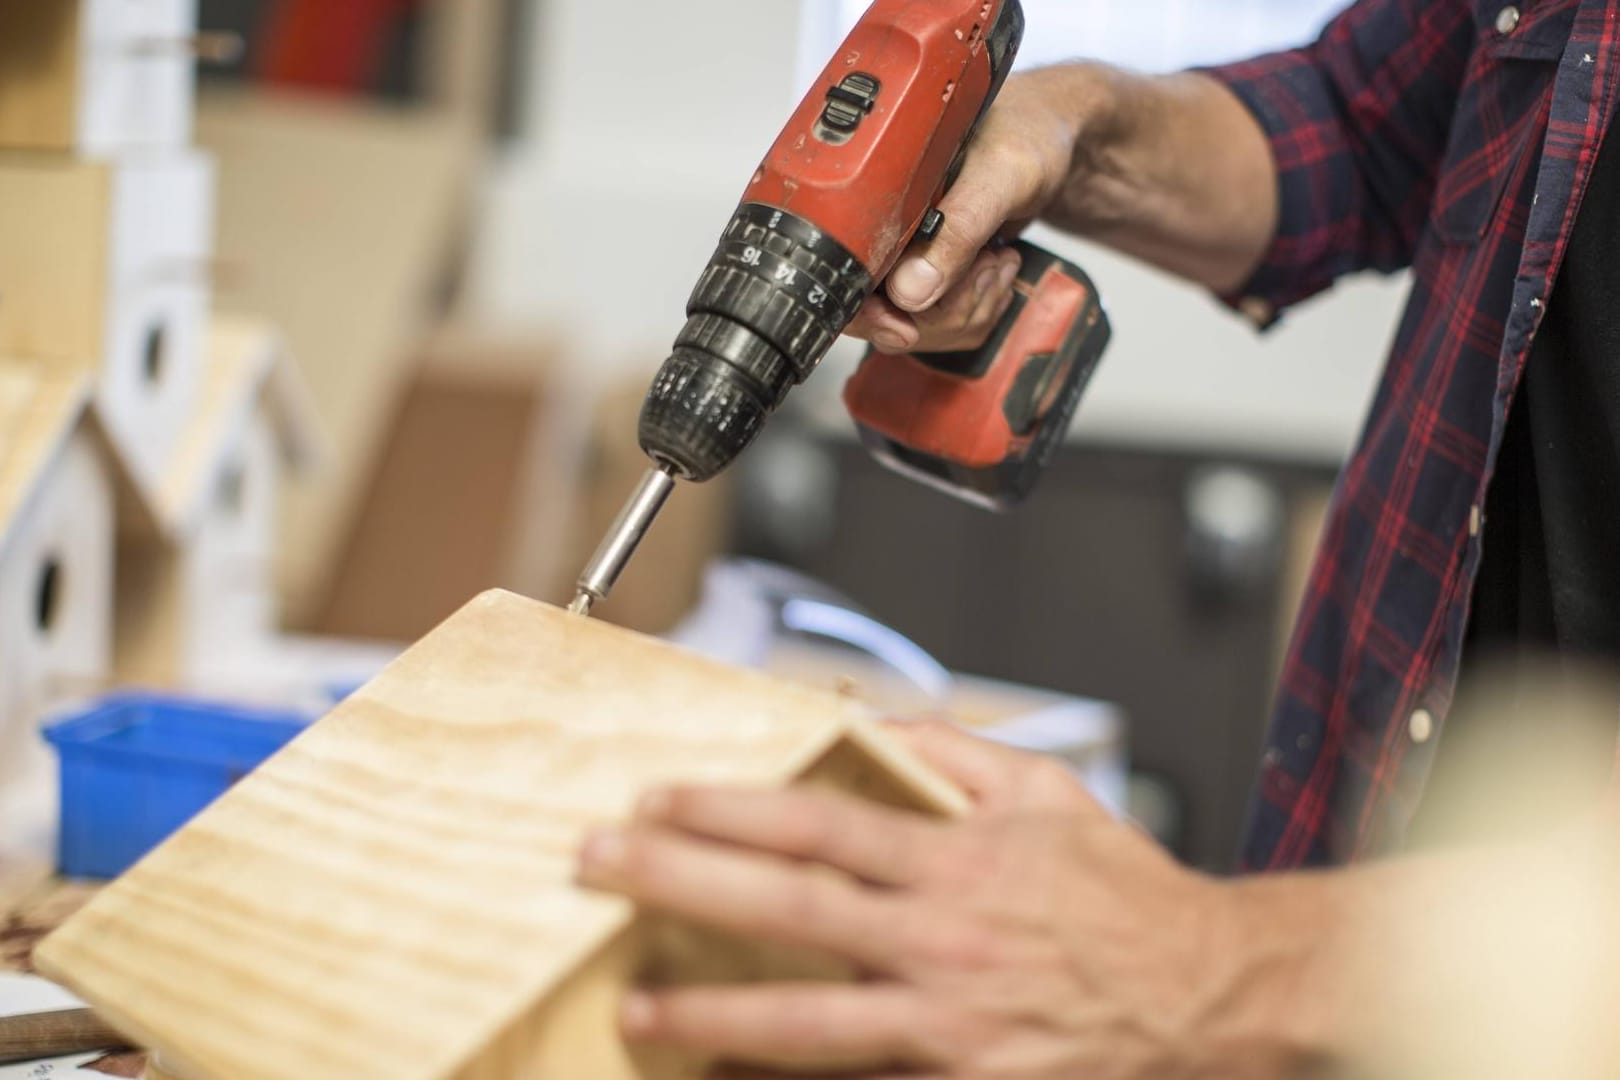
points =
(884, 325)
(751, 895)
(953, 323)
(978, 766)
(803, 1025)
(997, 298)
(997, 778)
(880, 845)
(750, 1072)
(955, 309)
(975, 210)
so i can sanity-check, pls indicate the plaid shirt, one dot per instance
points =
(1454, 137)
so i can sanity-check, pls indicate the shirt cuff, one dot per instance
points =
(1276, 89)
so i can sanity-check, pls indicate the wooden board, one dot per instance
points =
(392, 895)
(55, 238)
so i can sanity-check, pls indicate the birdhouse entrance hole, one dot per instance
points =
(48, 595)
(154, 356)
(229, 494)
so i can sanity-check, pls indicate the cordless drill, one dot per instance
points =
(855, 178)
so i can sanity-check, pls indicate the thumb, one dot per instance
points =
(975, 210)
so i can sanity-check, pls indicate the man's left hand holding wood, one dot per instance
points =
(1038, 937)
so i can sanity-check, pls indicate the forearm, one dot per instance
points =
(1171, 169)
(1471, 964)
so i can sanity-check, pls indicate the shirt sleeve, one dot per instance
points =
(1358, 124)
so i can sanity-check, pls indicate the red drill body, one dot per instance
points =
(854, 179)
(934, 68)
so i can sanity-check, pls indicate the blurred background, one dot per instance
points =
(476, 223)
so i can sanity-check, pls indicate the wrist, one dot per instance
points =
(1172, 169)
(1277, 970)
(1086, 103)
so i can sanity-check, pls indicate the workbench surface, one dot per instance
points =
(30, 909)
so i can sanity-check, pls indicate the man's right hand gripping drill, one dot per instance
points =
(1171, 169)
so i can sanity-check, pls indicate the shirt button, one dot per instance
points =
(1421, 725)
(1507, 20)
(1475, 520)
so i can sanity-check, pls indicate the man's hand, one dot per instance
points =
(1171, 169)
(1039, 937)
(950, 293)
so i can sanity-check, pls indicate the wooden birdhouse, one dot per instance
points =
(103, 270)
(96, 76)
(196, 597)
(392, 895)
(59, 497)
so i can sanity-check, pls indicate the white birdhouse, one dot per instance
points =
(196, 599)
(59, 494)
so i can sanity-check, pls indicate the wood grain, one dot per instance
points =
(392, 895)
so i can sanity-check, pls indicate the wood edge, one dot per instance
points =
(537, 999)
(233, 377)
(137, 514)
(931, 789)
(56, 409)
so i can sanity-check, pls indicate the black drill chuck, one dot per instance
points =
(773, 299)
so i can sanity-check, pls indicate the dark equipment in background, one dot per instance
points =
(1128, 578)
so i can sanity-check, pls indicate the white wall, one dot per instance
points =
(648, 118)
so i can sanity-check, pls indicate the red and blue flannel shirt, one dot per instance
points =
(1455, 137)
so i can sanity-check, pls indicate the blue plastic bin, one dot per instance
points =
(136, 767)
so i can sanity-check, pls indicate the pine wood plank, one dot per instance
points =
(392, 895)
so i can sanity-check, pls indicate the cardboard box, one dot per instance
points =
(501, 470)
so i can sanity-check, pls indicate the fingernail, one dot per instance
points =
(986, 282)
(603, 850)
(1009, 274)
(655, 804)
(888, 341)
(636, 1013)
(915, 282)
